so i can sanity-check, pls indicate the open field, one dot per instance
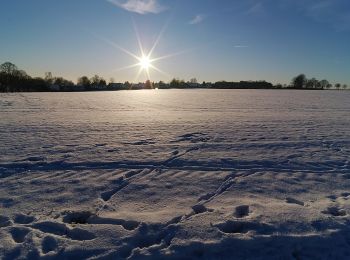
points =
(207, 174)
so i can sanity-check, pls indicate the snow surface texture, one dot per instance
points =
(176, 174)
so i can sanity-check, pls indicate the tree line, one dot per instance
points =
(302, 82)
(13, 79)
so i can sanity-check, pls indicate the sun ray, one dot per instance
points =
(159, 37)
(138, 74)
(138, 38)
(145, 60)
(160, 71)
(170, 55)
(118, 47)
(127, 67)
(148, 74)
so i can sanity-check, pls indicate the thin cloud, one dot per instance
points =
(241, 46)
(139, 6)
(197, 19)
(319, 9)
(257, 8)
(333, 12)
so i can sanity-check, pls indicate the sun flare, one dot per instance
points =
(145, 62)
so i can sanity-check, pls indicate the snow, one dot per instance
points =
(175, 174)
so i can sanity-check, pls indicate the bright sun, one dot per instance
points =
(145, 62)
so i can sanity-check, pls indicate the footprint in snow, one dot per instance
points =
(176, 152)
(49, 244)
(345, 195)
(200, 208)
(294, 201)
(193, 138)
(23, 219)
(60, 229)
(19, 234)
(241, 211)
(335, 211)
(5, 221)
(77, 217)
(36, 158)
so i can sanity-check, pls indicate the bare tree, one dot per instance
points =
(84, 81)
(49, 78)
(62, 82)
(324, 84)
(148, 84)
(127, 85)
(98, 81)
(299, 81)
(193, 81)
(8, 68)
(312, 83)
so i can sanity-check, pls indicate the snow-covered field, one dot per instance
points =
(178, 174)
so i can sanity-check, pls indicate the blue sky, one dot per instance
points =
(213, 40)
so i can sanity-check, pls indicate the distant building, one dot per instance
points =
(206, 85)
(78, 88)
(116, 86)
(193, 84)
(138, 86)
(98, 87)
(162, 85)
(54, 87)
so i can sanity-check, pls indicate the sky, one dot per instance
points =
(210, 40)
